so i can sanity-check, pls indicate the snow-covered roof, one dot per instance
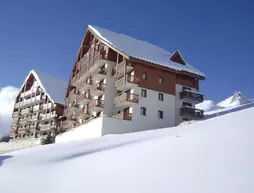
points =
(54, 87)
(141, 50)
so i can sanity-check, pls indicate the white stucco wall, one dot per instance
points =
(153, 105)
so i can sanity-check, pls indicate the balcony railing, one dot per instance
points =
(26, 111)
(85, 84)
(96, 104)
(119, 68)
(16, 114)
(99, 74)
(98, 87)
(125, 80)
(191, 96)
(123, 116)
(31, 92)
(192, 112)
(84, 98)
(127, 97)
(82, 113)
(29, 102)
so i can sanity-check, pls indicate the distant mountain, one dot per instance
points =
(208, 105)
(237, 99)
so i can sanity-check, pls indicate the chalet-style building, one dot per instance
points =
(38, 106)
(123, 78)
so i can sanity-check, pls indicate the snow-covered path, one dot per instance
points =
(209, 156)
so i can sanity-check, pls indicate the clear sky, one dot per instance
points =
(217, 37)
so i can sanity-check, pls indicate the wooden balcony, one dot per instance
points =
(26, 111)
(16, 114)
(192, 97)
(127, 82)
(191, 113)
(82, 113)
(84, 99)
(85, 84)
(45, 127)
(119, 68)
(96, 105)
(97, 89)
(98, 61)
(69, 122)
(29, 102)
(30, 93)
(126, 99)
(99, 74)
(123, 116)
(73, 106)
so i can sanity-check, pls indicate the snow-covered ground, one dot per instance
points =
(215, 155)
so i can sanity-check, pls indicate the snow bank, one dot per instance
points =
(214, 155)
(207, 105)
(7, 99)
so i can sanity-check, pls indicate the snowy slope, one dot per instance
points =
(207, 105)
(214, 155)
(237, 99)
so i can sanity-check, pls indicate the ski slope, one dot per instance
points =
(215, 155)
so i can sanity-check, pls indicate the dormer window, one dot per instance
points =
(177, 57)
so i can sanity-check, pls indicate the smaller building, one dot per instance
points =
(38, 106)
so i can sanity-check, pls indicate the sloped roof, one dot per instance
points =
(54, 87)
(141, 50)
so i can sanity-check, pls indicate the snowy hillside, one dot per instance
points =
(208, 105)
(215, 155)
(237, 99)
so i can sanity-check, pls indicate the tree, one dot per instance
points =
(48, 140)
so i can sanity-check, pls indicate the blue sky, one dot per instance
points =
(214, 36)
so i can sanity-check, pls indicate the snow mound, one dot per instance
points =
(237, 99)
(207, 105)
(215, 155)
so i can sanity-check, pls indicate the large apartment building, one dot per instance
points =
(38, 106)
(117, 76)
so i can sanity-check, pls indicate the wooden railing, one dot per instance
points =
(96, 103)
(123, 116)
(127, 97)
(120, 67)
(192, 112)
(84, 96)
(98, 86)
(87, 81)
(81, 111)
(128, 78)
(191, 95)
(102, 71)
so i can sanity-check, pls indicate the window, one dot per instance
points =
(187, 104)
(160, 114)
(143, 93)
(161, 80)
(143, 111)
(161, 97)
(144, 76)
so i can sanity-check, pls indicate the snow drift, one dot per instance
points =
(7, 99)
(215, 155)
(207, 105)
